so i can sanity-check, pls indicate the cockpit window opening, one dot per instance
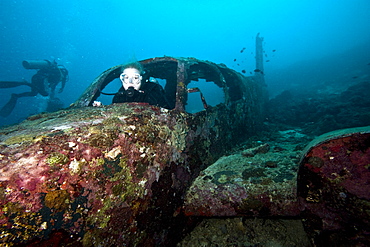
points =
(164, 72)
(161, 82)
(212, 93)
(109, 90)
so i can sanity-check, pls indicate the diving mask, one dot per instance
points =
(131, 78)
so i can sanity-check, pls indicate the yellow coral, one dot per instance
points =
(57, 199)
(57, 158)
(19, 139)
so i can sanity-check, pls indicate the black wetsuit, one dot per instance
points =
(149, 92)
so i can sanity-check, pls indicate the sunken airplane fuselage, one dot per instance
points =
(116, 175)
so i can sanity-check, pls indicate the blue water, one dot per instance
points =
(89, 37)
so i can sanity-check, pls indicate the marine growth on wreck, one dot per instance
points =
(110, 175)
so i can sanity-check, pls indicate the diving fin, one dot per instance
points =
(8, 108)
(10, 84)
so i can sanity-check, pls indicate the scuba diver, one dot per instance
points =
(44, 82)
(134, 90)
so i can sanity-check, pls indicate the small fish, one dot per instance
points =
(258, 70)
(234, 59)
(354, 77)
(243, 71)
(273, 50)
(267, 61)
(242, 50)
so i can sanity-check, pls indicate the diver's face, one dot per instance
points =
(131, 77)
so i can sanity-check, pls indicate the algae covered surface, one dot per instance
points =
(256, 194)
(89, 172)
(258, 179)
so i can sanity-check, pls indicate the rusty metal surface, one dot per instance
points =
(258, 182)
(334, 188)
(331, 191)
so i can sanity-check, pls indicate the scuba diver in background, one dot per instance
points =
(44, 82)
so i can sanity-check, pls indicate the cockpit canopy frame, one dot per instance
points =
(178, 73)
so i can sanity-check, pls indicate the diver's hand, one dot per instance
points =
(97, 103)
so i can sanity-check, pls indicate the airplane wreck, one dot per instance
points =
(123, 174)
(117, 174)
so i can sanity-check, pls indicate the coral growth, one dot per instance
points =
(95, 170)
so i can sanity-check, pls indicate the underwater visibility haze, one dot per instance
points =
(132, 174)
(304, 40)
